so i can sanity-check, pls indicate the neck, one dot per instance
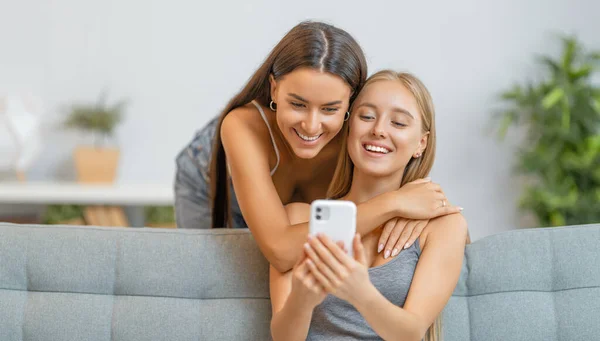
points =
(365, 186)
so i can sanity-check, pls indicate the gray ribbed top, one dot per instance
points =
(336, 319)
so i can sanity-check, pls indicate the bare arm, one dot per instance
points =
(291, 313)
(279, 240)
(434, 281)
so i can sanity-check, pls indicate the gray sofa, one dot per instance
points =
(85, 283)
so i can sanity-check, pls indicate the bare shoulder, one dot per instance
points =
(298, 212)
(245, 117)
(449, 227)
(245, 129)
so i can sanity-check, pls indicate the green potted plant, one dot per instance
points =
(560, 155)
(160, 216)
(98, 162)
(63, 215)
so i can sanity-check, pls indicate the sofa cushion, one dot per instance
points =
(87, 283)
(92, 283)
(529, 284)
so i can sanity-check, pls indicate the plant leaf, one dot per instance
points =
(552, 65)
(514, 94)
(552, 98)
(582, 72)
(570, 47)
(507, 120)
(566, 118)
(595, 103)
(557, 219)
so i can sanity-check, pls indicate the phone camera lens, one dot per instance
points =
(318, 217)
(318, 209)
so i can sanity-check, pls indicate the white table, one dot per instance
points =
(134, 196)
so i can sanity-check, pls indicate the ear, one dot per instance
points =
(273, 84)
(422, 144)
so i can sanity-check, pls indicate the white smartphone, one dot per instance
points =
(334, 218)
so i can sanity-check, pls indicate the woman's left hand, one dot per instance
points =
(337, 272)
(399, 234)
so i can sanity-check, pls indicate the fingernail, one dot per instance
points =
(394, 252)
(310, 237)
(387, 254)
(307, 246)
(460, 209)
(380, 248)
(406, 246)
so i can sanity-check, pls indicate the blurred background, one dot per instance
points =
(156, 71)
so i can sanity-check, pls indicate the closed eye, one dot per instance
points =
(366, 117)
(297, 105)
(398, 124)
(330, 110)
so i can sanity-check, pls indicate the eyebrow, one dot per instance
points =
(395, 109)
(303, 100)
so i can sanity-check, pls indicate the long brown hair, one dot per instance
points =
(309, 44)
(417, 167)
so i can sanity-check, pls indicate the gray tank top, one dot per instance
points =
(336, 319)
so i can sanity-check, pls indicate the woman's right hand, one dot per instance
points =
(305, 286)
(423, 199)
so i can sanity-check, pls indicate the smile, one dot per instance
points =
(376, 149)
(307, 138)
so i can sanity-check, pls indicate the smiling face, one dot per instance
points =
(386, 129)
(310, 109)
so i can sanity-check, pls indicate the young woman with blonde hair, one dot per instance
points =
(389, 145)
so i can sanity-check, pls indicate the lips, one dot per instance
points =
(306, 137)
(373, 148)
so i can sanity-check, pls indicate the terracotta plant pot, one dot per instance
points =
(96, 165)
(76, 221)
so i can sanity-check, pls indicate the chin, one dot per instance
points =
(376, 173)
(373, 169)
(307, 153)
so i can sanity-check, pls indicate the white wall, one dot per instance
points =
(180, 61)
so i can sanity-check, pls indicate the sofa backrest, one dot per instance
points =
(87, 283)
(84, 283)
(529, 284)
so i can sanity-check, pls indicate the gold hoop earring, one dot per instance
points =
(271, 106)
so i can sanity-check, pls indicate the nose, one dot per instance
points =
(378, 129)
(311, 125)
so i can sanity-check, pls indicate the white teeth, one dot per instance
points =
(307, 138)
(376, 149)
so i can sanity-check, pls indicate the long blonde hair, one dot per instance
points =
(417, 168)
